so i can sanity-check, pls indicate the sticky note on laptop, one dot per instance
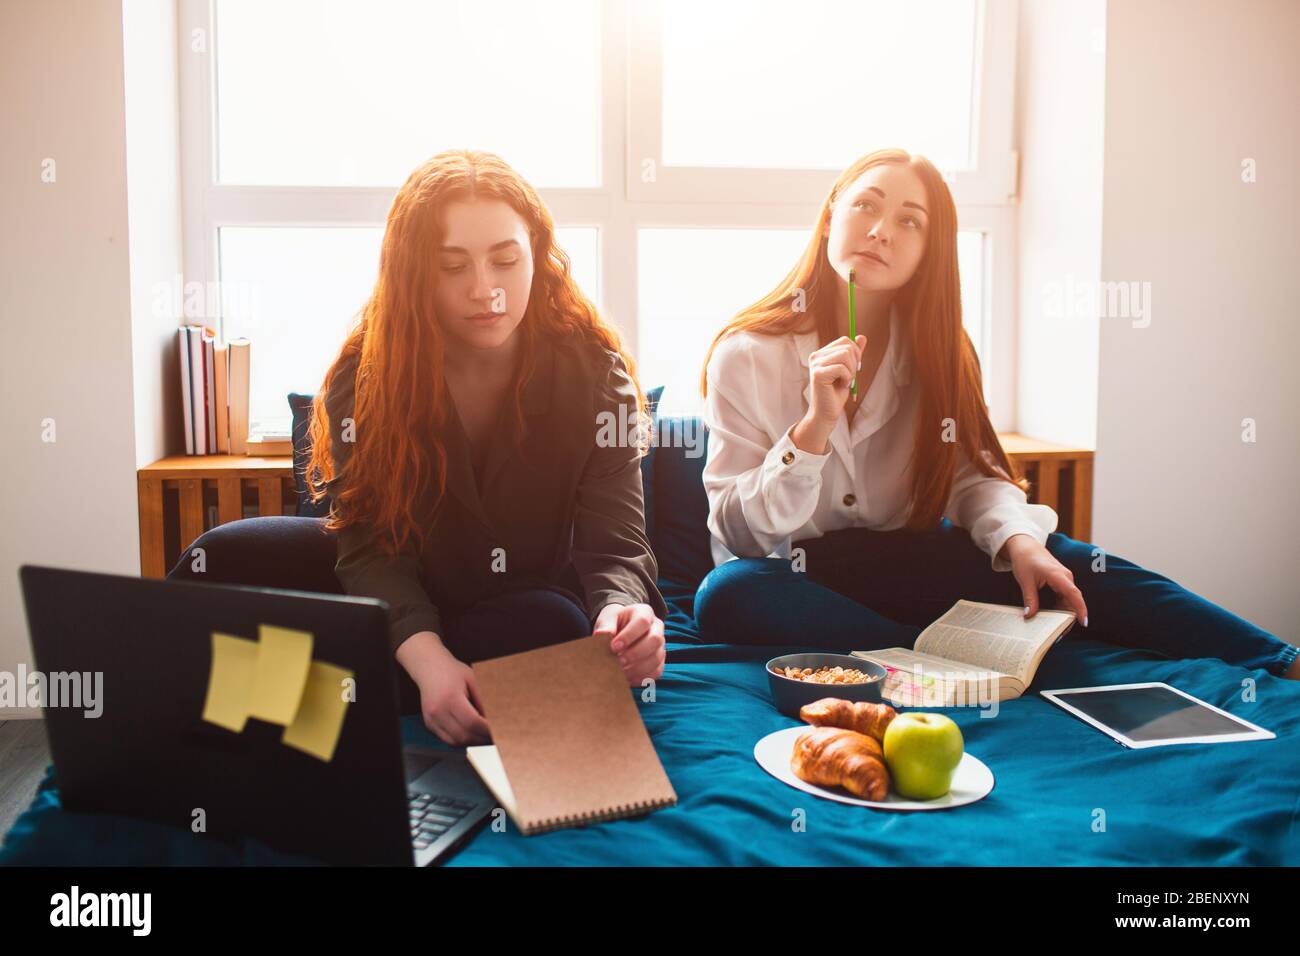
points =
(280, 675)
(319, 721)
(274, 679)
(230, 682)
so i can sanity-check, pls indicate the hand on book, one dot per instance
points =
(449, 701)
(1034, 567)
(636, 635)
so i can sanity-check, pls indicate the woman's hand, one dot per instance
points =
(449, 701)
(831, 370)
(636, 635)
(1033, 566)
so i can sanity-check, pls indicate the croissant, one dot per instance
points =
(834, 757)
(865, 718)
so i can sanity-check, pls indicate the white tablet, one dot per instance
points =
(1153, 715)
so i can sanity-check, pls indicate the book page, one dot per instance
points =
(903, 659)
(487, 761)
(918, 679)
(991, 636)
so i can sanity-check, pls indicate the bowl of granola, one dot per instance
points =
(798, 679)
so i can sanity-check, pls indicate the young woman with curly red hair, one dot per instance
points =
(463, 435)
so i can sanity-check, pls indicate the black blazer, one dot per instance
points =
(558, 504)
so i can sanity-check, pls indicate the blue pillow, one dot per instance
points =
(676, 507)
(680, 536)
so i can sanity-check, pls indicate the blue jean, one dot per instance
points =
(296, 553)
(863, 590)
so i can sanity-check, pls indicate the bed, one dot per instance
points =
(1065, 794)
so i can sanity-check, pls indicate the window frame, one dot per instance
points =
(621, 205)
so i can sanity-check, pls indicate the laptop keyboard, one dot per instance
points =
(432, 816)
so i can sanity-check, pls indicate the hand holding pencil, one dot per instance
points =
(832, 377)
(831, 372)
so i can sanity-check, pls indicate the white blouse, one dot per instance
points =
(765, 493)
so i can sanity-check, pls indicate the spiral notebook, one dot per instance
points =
(569, 747)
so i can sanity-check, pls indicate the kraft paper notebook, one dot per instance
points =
(569, 747)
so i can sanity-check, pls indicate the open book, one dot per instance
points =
(569, 744)
(974, 653)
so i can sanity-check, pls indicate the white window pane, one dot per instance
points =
(692, 282)
(339, 93)
(295, 293)
(582, 245)
(762, 83)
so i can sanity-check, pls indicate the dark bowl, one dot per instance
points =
(789, 694)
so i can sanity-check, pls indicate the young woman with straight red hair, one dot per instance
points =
(850, 520)
(463, 435)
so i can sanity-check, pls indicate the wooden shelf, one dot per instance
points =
(1016, 444)
(1059, 476)
(184, 495)
(240, 466)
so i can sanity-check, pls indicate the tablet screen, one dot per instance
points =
(1145, 714)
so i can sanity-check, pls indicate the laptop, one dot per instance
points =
(149, 753)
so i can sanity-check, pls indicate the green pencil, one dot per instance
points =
(853, 325)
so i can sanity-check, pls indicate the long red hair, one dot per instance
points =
(929, 307)
(398, 409)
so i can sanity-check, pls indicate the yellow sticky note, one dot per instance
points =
(316, 728)
(230, 681)
(283, 660)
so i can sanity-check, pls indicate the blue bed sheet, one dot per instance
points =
(1194, 804)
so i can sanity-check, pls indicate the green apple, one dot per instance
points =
(922, 751)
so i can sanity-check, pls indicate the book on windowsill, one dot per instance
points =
(214, 393)
(270, 436)
(238, 356)
(268, 443)
(975, 653)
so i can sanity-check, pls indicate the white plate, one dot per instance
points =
(972, 781)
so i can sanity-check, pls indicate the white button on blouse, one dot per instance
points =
(765, 493)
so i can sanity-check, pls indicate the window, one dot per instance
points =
(691, 282)
(340, 93)
(764, 83)
(683, 149)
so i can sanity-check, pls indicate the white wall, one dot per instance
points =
(1060, 87)
(154, 214)
(80, 350)
(1193, 88)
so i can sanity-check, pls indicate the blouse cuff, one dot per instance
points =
(786, 457)
(1038, 529)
